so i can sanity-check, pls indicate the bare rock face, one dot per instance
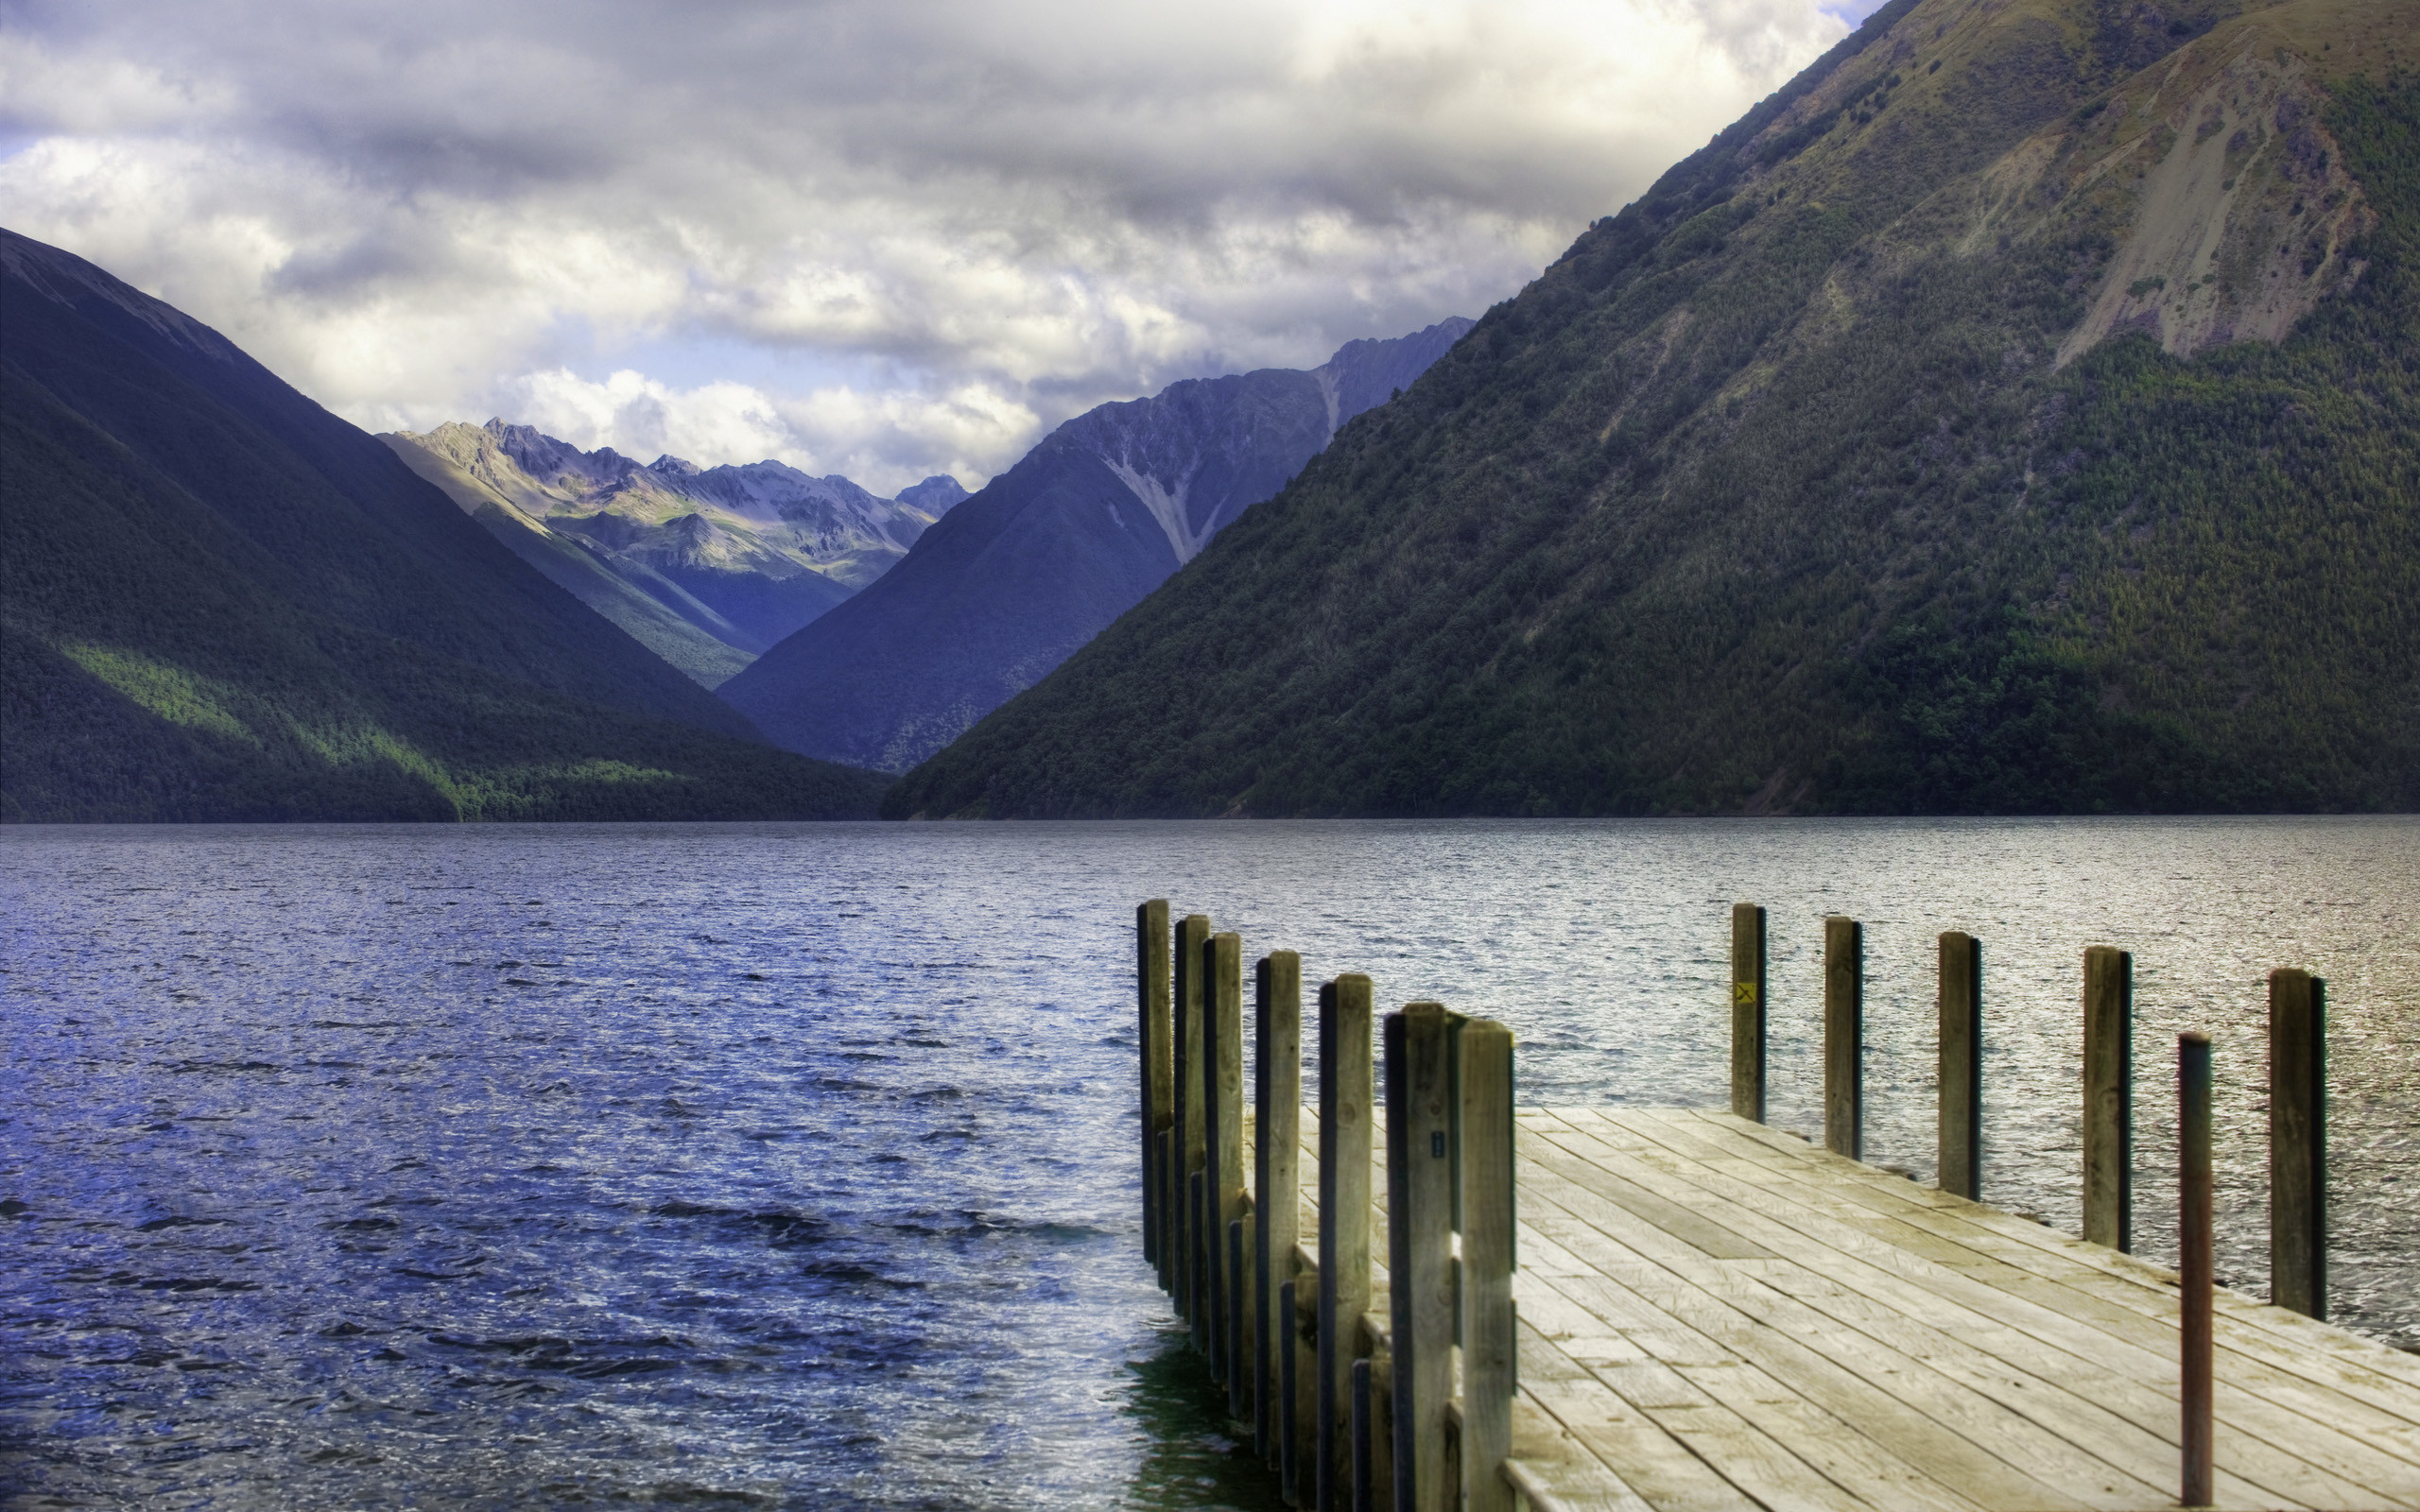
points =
(2235, 208)
(708, 566)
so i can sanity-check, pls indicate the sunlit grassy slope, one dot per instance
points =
(2016, 413)
(219, 602)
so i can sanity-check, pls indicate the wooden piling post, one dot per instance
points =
(2195, 1428)
(1237, 1343)
(1367, 1453)
(1223, 969)
(2109, 1097)
(1961, 1065)
(1420, 1249)
(1277, 1152)
(1192, 1092)
(1748, 1011)
(1347, 1088)
(1288, 1444)
(1198, 1262)
(1164, 1162)
(1490, 1359)
(1152, 1025)
(1844, 1037)
(2298, 1141)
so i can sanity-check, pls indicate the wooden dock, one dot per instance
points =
(1705, 1314)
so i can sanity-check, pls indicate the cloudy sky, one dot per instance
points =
(878, 238)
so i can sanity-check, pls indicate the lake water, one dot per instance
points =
(791, 1165)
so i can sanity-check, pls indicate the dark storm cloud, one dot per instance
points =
(961, 220)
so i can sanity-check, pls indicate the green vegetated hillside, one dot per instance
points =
(219, 602)
(2016, 413)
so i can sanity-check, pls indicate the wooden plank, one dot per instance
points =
(2294, 1458)
(2321, 1378)
(1859, 1341)
(1651, 1462)
(1941, 1430)
(1862, 1285)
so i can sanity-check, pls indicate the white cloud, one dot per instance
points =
(993, 212)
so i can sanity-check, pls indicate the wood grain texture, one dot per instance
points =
(1844, 1037)
(1347, 1088)
(1960, 1139)
(2298, 1143)
(2109, 1097)
(1748, 1011)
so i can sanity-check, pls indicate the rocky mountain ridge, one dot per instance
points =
(1043, 557)
(707, 566)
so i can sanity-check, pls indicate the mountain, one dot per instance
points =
(1038, 562)
(217, 601)
(2016, 412)
(704, 566)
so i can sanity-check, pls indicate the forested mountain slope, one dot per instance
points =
(2018, 412)
(1040, 560)
(217, 601)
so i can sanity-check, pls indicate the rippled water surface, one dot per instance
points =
(791, 1165)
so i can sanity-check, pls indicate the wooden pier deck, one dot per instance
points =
(1624, 1308)
(1714, 1314)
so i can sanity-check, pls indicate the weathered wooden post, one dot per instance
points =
(1961, 1065)
(1489, 1357)
(1192, 1093)
(1303, 1484)
(1238, 1340)
(1164, 1158)
(1277, 1154)
(1844, 1037)
(1222, 1023)
(2298, 1141)
(2193, 1266)
(1158, 1064)
(1346, 1087)
(1419, 1250)
(1198, 1262)
(1290, 1378)
(2109, 1097)
(1368, 1454)
(1748, 1011)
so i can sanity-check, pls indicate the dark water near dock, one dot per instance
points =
(793, 1165)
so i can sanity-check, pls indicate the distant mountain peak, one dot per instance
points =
(1025, 571)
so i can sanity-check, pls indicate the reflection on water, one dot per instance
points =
(790, 1166)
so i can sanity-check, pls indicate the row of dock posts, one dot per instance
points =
(1355, 1407)
(2297, 1123)
(2298, 1086)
